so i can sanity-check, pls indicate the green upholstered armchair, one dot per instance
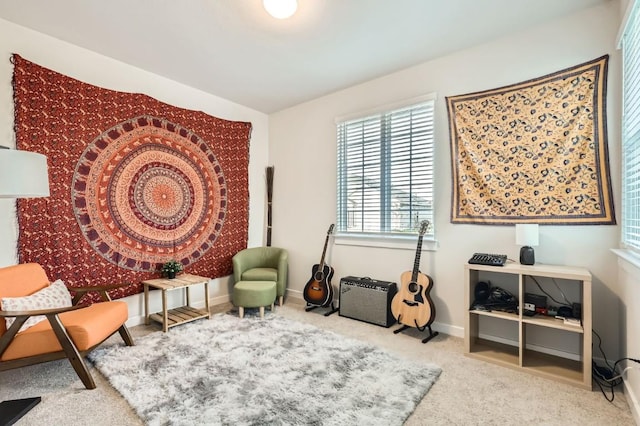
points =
(263, 264)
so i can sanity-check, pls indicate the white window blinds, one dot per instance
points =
(385, 171)
(631, 132)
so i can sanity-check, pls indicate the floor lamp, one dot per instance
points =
(23, 174)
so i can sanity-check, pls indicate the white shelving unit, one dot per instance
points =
(514, 349)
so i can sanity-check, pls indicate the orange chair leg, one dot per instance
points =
(72, 352)
(126, 336)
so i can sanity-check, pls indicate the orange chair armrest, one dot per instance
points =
(52, 311)
(102, 290)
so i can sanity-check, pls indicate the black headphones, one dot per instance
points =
(482, 292)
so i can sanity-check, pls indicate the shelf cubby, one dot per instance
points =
(516, 339)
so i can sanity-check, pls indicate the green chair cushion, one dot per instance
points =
(260, 274)
(253, 294)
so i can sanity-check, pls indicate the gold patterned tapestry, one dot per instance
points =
(533, 152)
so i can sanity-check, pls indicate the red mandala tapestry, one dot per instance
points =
(134, 182)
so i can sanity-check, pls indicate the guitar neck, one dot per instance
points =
(416, 262)
(324, 252)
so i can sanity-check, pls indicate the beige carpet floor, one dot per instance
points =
(468, 392)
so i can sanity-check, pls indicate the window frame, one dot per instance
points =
(389, 239)
(630, 143)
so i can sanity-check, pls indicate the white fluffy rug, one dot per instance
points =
(231, 371)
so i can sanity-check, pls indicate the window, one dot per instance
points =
(385, 171)
(631, 131)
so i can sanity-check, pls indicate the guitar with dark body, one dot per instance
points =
(412, 305)
(319, 291)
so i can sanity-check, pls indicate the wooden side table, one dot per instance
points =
(171, 318)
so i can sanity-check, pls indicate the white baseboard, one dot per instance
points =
(449, 329)
(632, 400)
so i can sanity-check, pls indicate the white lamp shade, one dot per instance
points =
(281, 9)
(23, 174)
(527, 234)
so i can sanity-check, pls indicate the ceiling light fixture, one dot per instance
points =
(281, 9)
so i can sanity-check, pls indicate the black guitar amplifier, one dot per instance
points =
(367, 300)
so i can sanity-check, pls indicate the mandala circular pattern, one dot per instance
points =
(148, 190)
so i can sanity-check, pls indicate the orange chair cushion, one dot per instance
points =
(21, 280)
(87, 327)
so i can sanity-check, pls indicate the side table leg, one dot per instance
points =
(165, 314)
(146, 304)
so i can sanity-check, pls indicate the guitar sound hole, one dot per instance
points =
(319, 276)
(413, 287)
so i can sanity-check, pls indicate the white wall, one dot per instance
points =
(108, 73)
(629, 277)
(303, 150)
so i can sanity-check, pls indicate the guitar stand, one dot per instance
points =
(431, 335)
(311, 307)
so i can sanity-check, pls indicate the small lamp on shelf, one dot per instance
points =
(527, 237)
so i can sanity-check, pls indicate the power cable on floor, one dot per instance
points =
(607, 377)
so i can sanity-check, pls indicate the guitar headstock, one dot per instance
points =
(424, 225)
(330, 231)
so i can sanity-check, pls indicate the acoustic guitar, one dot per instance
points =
(319, 290)
(412, 305)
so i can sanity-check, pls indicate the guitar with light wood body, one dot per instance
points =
(412, 305)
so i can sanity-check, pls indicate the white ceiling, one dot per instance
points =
(235, 50)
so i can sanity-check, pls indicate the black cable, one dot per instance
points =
(566, 301)
(625, 359)
(611, 388)
(601, 350)
(605, 380)
(561, 292)
(607, 377)
(601, 385)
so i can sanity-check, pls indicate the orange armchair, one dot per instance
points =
(68, 332)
